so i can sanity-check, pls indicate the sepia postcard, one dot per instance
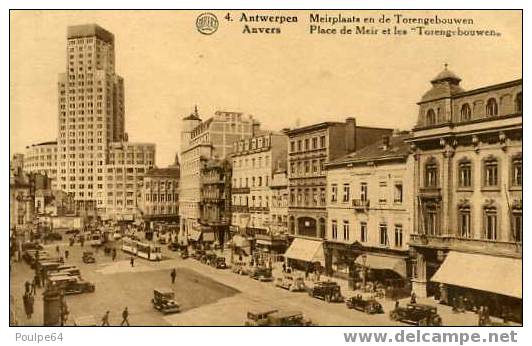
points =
(265, 168)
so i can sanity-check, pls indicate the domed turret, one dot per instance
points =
(189, 123)
(445, 84)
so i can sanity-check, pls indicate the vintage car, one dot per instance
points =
(31, 245)
(418, 314)
(198, 254)
(32, 256)
(52, 236)
(46, 267)
(240, 268)
(183, 253)
(70, 284)
(163, 300)
(364, 302)
(208, 258)
(326, 290)
(64, 269)
(258, 318)
(261, 273)
(219, 263)
(88, 257)
(291, 283)
(273, 317)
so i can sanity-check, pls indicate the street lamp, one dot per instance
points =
(364, 270)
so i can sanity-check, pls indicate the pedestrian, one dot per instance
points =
(105, 319)
(33, 287)
(125, 315)
(396, 304)
(306, 273)
(37, 280)
(481, 316)
(66, 254)
(284, 267)
(173, 275)
(64, 311)
(132, 261)
(57, 249)
(27, 285)
(318, 274)
(413, 298)
(114, 253)
(28, 305)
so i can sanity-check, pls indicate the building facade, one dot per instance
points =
(254, 162)
(279, 205)
(370, 212)
(42, 158)
(202, 141)
(160, 198)
(468, 177)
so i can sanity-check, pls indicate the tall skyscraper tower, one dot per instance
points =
(91, 110)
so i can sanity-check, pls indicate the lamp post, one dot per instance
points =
(364, 270)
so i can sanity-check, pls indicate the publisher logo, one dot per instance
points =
(207, 23)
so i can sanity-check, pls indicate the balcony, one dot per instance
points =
(430, 192)
(259, 209)
(240, 190)
(451, 242)
(240, 209)
(360, 205)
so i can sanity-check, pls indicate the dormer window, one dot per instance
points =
(465, 112)
(431, 117)
(491, 108)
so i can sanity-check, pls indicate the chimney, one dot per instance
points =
(385, 142)
(350, 134)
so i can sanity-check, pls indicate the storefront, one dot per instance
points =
(474, 280)
(305, 254)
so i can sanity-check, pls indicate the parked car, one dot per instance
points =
(198, 254)
(72, 231)
(419, 314)
(273, 317)
(173, 246)
(258, 318)
(291, 283)
(219, 263)
(364, 302)
(208, 258)
(70, 284)
(261, 273)
(88, 257)
(326, 290)
(164, 301)
(31, 245)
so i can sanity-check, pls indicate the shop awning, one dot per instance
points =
(194, 235)
(381, 262)
(306, 250)
(499, 275)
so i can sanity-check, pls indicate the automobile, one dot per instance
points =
(219, 262)
(364, 302)
(72, 231)
(31, 245)
(117, 235)
(53, 236)
(326, 290)
(291, 283)
(67, 269)
(208, 258)
(70, 284)
(46, 267)
(418, 314)
(258, 318)
(183, 253)
(88, 257)
(32, 256)
(173, 246)
(288, 319)
(240, 268)
(164, 300)
(261, 273)
(198, 254)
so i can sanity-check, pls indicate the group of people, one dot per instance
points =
(125, 318)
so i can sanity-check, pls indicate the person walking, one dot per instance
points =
(284, 267)
(132, 261)
(66, 254)
(125, 315)
(27, 285)
(57, 250)
(33, 287)
(105, 319)
(114, 254)
(413, 298)
(173, 274)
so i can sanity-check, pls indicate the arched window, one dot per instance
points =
(431, 117)
(519, 102)
(465, 113)
(491, 108)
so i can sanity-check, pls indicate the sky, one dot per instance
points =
(282, 80)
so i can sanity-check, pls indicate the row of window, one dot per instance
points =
(163, 197)
(363, 233)
(251, 201)
(307, 197)
(490, 172)
(308, 144)
(307, 167)
(252, 163)
(363, 192)
(253, 182)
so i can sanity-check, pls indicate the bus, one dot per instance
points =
(149, 252)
